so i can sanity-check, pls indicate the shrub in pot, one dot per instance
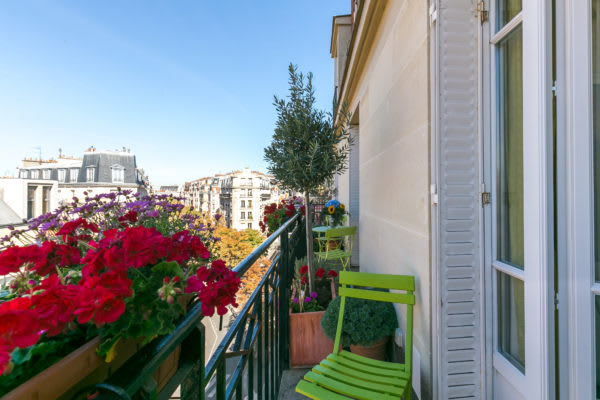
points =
(308, 343)
(367, 323)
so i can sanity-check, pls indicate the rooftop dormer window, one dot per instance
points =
(35, 174)
(118, 173)
(90, 174)
(24, 174)
(46, 174)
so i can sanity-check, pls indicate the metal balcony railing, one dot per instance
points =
(256, 344)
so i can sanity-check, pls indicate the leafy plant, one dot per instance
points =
(365, 321)
(309, 146)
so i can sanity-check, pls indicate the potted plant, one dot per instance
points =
(366, 328)
(309, 146)
(100, 279)
(334, 212)
(308, 343)
(276, 214)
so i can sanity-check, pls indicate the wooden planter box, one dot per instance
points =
(308, 343)
(82, 368)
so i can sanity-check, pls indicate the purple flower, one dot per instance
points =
(217, 217)
(307, 299)
(295, 301)
(313, 295)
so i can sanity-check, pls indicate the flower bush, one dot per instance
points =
(112, 266)
(317, 300)
(276, 214)
(334, 211)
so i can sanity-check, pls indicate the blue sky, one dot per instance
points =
(187, 85)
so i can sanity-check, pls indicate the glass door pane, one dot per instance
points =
(510, 287)
(510, 151)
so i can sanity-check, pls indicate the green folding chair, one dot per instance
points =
(343, 236)
(344, 375)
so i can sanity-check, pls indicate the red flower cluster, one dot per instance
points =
(68, 230)
(216, 287)
(43, 259)
(276, 214)
(320, 273)
(138, 246)
(100, 294)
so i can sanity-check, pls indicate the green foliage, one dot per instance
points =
(308, 147)
(365, 321)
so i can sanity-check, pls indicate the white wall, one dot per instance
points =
(392, 99)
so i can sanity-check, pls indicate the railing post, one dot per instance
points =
(284, 321)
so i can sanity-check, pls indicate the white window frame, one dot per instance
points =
(24, 174)
(35, 174)
(46, 173)
(118, 170)
(73, 174)
(92, 175)
(538, 278)
(62, 175)
(581, 286)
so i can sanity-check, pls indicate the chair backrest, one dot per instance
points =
(404, 283)
(340, 232)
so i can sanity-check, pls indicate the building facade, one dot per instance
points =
(244, 195)
(97, 172)
(492, 153)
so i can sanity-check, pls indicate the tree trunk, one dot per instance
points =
(309, 242)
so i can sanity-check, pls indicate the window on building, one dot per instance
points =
(243, 203)
(249, 214)
(46, 174)
(243, 215)
(62, 174)
(249, 225)
(24, 174)
(249, 203)
(35, 174)
(249, 192)
(118, 174)
(30, 201)
(45, 199)
(73, 173)
(90, 174)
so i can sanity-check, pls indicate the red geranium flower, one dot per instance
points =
(304, 269)
(320, 273)
(332, 273)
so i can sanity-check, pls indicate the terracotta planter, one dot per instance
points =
(376, 351)
(308, 343)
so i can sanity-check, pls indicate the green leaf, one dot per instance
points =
(169, 269)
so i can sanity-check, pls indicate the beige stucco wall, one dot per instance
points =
(392, 98)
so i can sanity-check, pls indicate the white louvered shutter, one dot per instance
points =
(461, 342)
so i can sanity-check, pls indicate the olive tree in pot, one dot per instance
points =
(366, 328)
(308, 148)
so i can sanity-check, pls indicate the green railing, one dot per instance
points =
(255, 347)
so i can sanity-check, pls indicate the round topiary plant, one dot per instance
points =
(365, 321)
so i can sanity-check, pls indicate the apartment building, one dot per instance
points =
(475, 169)
(244, 195)
(96, 172)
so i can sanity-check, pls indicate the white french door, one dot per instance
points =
(582, 75)
(519, 222)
